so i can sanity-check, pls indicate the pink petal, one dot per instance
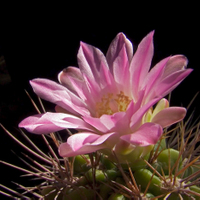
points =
(51, 122)
(119, 42)
(140, 100)
(67, 75)
(107, 79)
(121, 71)
(141, 62)
(72, 78)
(147, 134)
(118, 122)
(96, 123)
(176, 63)
(90, 61)
(58, 94)
(162, 81)
(169, 83)
(136, 118)
(154, 75)
(95, 71)
(169, 116)
(82, 143)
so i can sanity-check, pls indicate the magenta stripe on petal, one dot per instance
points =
(169, 83)
(51, 122)
(154, 75)
(68, 74)
(147, 134)
(141, 62)
(60, 95)
(83, 143)
(119, 42)
(138, 115)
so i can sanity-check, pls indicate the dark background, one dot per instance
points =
(41, 42)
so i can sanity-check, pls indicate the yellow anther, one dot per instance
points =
(111, 104)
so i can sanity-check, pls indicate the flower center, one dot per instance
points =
(111, 104)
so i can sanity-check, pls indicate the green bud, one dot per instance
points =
(195, 188)
(80, 164)
(129, 156)
(161, 144)
(107, 163)
(168, 157)
(191, 170)
(104, 191)
(116, 196)
(112, 174)
(135, 165)
(99, 175)
(143, 177)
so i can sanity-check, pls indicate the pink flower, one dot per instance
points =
(107, 98)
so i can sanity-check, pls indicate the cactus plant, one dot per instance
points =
(122, 148)
(167, 174)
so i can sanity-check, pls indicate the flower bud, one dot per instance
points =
(167, 159)
(116, 196)
(106, 162)
(80, 164)
(144, 176)
(99, 175)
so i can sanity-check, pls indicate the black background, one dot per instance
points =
(41, 41)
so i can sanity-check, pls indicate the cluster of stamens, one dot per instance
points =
(111, 104)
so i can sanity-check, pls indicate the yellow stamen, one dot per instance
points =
(111, 104)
